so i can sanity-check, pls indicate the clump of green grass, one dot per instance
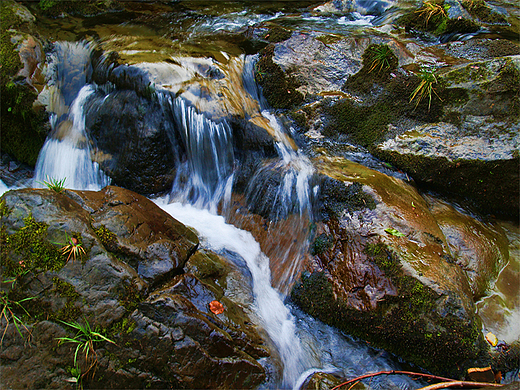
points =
(9, 307)
(431, 9)
(56, 185)
(381, 57)
(426, 87)
(84, 339)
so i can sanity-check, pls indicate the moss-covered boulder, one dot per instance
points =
(479, 164)
(112, 261)
(385, 273)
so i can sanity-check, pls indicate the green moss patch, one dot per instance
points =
(278, 88)
(107, 237)
(29, 250)
(405, 324)
(277, 34)
(480, 10)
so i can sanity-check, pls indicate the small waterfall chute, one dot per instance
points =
(205, 178)
(274, 315)
(66, 152)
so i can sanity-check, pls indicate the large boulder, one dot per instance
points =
(117, 262)
(475, 155)
(130, 131)
(384, 271)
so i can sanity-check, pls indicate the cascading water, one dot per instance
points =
(204, 182)
(206, 178)
(275, 317)
(66, 152)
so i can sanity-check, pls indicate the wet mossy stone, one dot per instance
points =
(406, 325)
(482, 11)
(278, 88)
(491, 186)
(433, 17)
(379, 61)
(336, 197)
(277, 34)
(57, 8)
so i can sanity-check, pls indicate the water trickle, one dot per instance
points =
(66, 152)
(206, 176)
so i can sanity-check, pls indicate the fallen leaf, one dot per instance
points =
(491, 339)
(216, 307)
(394, 232)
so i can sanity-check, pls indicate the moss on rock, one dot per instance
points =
(442, 343)
(22, 127)
(278, 88)
(474, 178)
(482, 11)
(28, 249)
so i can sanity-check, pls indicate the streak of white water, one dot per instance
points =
(68, 157)
(3, 188)
(276, 318)
(205, 179)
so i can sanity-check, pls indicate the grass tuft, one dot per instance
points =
(53, 184)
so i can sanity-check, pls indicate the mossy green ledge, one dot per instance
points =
(387, 275)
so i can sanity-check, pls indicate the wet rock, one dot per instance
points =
(155, 244)
(479, 248)
(386, 273)
(319, 66)
(477, 161)
(166, 337)
(481, 49)
(129, 132)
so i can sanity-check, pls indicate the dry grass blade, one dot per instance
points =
(431, 9)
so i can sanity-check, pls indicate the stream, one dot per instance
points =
(206, 80)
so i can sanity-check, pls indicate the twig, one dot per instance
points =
(393, 372)
(459, 384)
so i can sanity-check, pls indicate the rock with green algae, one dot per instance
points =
(105, 285)
(477, 161)
(389, 278)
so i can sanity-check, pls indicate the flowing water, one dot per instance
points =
(66, 152)
(204, 185)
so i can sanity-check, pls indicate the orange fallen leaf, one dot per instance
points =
(216, 307)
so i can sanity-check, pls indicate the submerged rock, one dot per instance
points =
(109, 259)
(385, 273)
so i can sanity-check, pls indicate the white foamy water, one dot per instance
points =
(67, 155)
(276, 318)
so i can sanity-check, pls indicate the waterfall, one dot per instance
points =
(65, 154)
(206, 177)
(68, 157)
